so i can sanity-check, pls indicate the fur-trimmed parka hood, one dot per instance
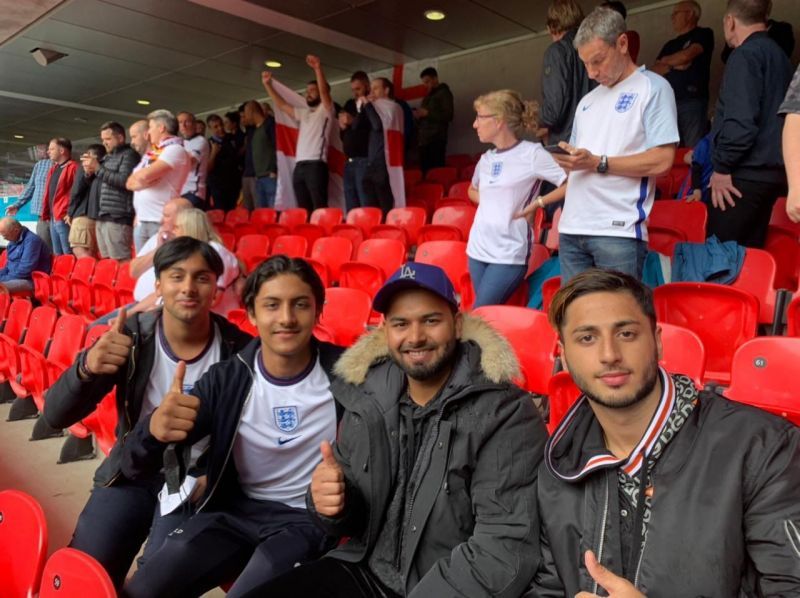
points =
(498, 361)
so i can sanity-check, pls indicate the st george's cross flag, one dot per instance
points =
(391, 115)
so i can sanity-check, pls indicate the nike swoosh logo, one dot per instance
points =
(585, 108)
(283, 441)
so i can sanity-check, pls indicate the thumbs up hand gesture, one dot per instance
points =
(327, 483)
(111, 350)
(617, 587)
(174, 418)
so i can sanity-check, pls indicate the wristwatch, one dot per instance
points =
(602, 168)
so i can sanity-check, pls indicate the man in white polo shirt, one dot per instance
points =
(159, 176)
(196, 145)
(624, 135)
(315, 123)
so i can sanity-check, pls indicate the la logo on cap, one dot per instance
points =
(407, 272)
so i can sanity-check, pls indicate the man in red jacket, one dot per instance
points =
(57, 191)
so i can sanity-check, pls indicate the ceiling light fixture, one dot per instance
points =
(273, 64)
(435, 15)
(143, 102)
(19, 136)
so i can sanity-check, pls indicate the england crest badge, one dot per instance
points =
(625, 101)
(286, 418)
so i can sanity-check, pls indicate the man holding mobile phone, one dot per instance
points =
(623, 136)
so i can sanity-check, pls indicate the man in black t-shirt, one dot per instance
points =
(685, 62)
(355, 141)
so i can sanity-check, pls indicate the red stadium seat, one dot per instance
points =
(444, 175)
(389, 231)
(321, 269)
(780, 218)
(409, 220)
(447, 202)
(290, 245)
(664, 186)
(688, 217)
(430, 193)
(561, 395)
(23, 544)
(758, 277)
(5, 301)
(237, 216)
(228, 240)
(42, 287)
(450, 256)
(683, 352)
(663, 239)
(215, 216)
(460, 190)
(70, 573)
(539, 255)
(762, 375)
(124, 285)
(37, 333)
(252, 250)
(273, 231)
(376, 260)
(345, 314)
(459, 160)
(63, 287)
(440, 232)
(327, 218)
(784, 245)
(352, 233)
(459, 216)
(333, 252)
(293, 216)
(247, 228)
(722, 316)
(793, 317)
(311, 232)
(531, 337)
(102, 422)
(466, 172)
(549, 289)
(261, 216)
(363, 218)
(239, 318)
(411, 177)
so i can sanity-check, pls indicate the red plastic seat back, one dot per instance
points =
(40, 327)
(793, 317)
(562, 394)
(261, 216)
(23, 543)
(663, 239)
(311, 232)
(352, 233)
(784, 245)
(239, 318)
(758, 277)
(459, 160)
(215, 216)
(459, 216)
(763, 375)
(253, 245)
(105, 272)
(531, 337)
(780, 218)
(409, 219)
(70, 573)
(690, 218)
(549, 289)
(430, 193)
(228, 240)
(67, 340)
(290, 245)
(439, 232)
(411, 177)
(333, 252)
(387, 254)
(444, 175)
(63, 264)
(19, 313)
(364, 218)
(346, 313)
(5, 302)
(236, 216)
(539, 255)
(460, 190)
(321, 270)
(722, 316)
(683, 352)
(450, 256)
(83, 270)
(327, 218)
(293, 216)
(273, 231)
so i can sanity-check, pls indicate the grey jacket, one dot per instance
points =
(725, 508)
(116, 202)
(472, 526)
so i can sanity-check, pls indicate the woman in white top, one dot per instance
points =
(192, 222)
(506, 182)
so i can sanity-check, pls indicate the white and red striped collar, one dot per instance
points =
(633, 463)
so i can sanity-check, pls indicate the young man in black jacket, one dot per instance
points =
(137, 358)
(650, 487)
(84, 203)
(267, 410)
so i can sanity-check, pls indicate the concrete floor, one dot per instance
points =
(62, 490)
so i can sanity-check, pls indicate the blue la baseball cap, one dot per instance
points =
(413, 275)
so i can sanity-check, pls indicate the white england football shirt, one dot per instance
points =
(635, 115)
(507, 181)
(315, 126)
(149, 203)
(282, 424)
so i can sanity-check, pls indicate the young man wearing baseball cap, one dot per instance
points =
(433, 474)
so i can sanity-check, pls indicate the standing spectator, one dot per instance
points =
(58, 187)
(564, 78)
(791, 146)
(84, 204)
(34, 193)
(749, 174)
(200, 127)
(376, 176)
(624, 135)
(310, 177)
(634, 42)
(233, 122)
(25, 253)
(685, 62)
(262, 146)
(140, 140)
(114, 228)
(434, 117)
(506, 179)
(195, 144)
(224, 176)
(355, 142)
(781, 32)
(159, 176)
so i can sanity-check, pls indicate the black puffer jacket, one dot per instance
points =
(472, 526)
(725, 508)
(116, 202)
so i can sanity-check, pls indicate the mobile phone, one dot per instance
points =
(556, 149)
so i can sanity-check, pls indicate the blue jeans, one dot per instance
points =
(266, 187)
(354, 194)
(59, 234)
(577, 253)
(494, 283)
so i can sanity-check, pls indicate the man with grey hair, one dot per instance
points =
(623, 136)
(749, 173)
(196, 145)
(159, 176)
(685, 62)
(25, 253)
